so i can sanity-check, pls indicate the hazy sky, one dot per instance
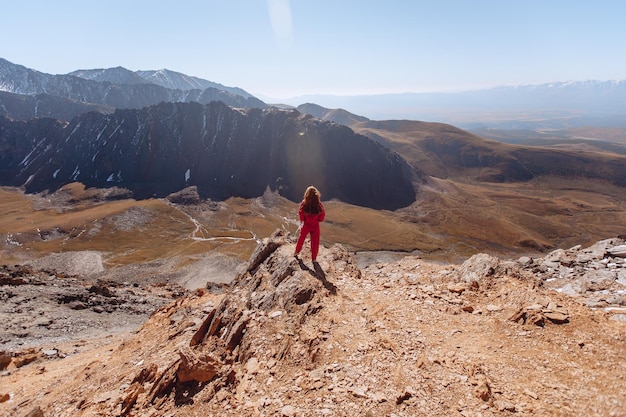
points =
(283, 48)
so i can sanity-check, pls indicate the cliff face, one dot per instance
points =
(24, 107)
(223, 151)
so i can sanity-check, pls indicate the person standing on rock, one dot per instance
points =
(311, 213)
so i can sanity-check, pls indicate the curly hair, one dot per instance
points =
(311, 203)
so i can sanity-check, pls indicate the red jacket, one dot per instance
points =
(311, 220)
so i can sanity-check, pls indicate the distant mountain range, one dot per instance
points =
(111, 88)
(157, 132)
(554, 105)
(557, 105)
(165, 78)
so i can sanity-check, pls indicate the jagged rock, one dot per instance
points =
(234, 336)
(5, 359)
(557, 317)
(482, 389)
(535, 318)
(25, 358)
(130, 399)
(186, 196)
(554, 257)
(147, 374)
(598, 280)
(273, 282)
(196, 366)
(503, 405)
(478, 267)
(582, 271)
(599, 249)
(203, 330)
(457, 287)
(525, 261)
(102, 290)
(518, 315)
(4, 398)
(618, 317)
(263, 251)
(619, 250)
(288, 411)
(35, 412)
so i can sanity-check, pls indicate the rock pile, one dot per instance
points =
(46, 306)
(596, 275)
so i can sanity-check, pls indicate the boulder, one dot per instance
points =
(478, 267)
(196, 366)
(5, 359)
(619, 251)
(557, 317)
(482, 389)
(457, 287)
(35, 412)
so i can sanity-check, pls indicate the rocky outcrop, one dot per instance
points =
(262, 319)
(221, 151)
(596, 275)
(597, 272)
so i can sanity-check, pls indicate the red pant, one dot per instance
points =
(315, 239)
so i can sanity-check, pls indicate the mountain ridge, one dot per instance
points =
(165, 78)
(223, 151)
(18, 79)
(554, 105)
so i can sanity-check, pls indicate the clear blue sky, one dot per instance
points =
(283, 48)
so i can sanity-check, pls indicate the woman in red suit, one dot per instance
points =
(311, 213)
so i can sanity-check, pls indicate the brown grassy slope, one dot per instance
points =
(450, 221)
(130, 231)
(445, 151)
(509, 219)
(609, 134)
(480, 205)
(497, 197)
(589, 139)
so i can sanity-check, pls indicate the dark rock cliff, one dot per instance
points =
(222, 151)
(24, 107)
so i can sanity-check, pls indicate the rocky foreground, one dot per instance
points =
(532, 337)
